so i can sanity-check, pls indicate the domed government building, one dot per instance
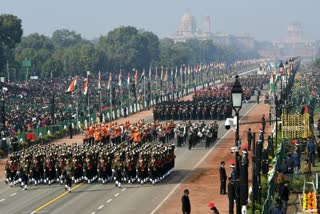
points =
(189, 29)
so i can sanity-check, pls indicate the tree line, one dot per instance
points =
(67, 53)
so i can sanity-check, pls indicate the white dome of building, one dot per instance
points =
(187, 24)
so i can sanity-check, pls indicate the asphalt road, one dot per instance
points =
(98, 198)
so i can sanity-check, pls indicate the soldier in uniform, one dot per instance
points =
(180, 112)
(213, 112)
(215, 130)
(198, 112)
(208, 135)
(68, 176)
(223, 178)
(191, 133)
(155, 113)
(249, 138)
(180, 132)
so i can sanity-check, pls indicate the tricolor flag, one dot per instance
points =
(161, 75)
(150, 73)
(86, 83)
(272, 77)
(142, 76)
(120, 83)
(73, 85)
(109, 81)
(136, 78)
(176, 74)
(165, 78)
(156, 75)
(99, 81)
(288, 71)
(128, 80)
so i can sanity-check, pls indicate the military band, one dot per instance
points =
(195, 133)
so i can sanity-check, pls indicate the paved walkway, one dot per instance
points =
(204, 183)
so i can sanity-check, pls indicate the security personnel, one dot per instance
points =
(223, 178)
(231, 194)
(249, 138)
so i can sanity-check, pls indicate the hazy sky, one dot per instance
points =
(263, 19)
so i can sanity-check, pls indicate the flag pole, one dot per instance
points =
(181, 81)
(150, 87)
(77, 110)
(100, 106)
(110, 100)
(129, 96)
(120, 84)
(88, 103)
(156, 80)
(144, 89)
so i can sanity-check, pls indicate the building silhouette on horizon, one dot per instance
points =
(188, 29)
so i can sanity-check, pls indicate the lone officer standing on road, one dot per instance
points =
(223, 178)
(249, 138)
(186, 206)
(263, 123)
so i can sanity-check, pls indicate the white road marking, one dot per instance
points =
(2, 199)
(99, 208)
(116, 195)
(13, 194)
(123, 189)
(93, 213)
(200, 161)
(109, 200)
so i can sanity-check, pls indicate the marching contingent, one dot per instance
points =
(212, 103)
(128, 153)
(128, 161)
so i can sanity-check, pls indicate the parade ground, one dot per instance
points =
(196, 170)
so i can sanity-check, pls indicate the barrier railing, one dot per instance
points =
(279, 154)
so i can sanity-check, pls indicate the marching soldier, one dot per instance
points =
(68, 176)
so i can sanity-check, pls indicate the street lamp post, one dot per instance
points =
(236, 98)
(286, 75)
(3, 112)
(281, 67)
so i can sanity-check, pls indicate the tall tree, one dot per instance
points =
(10, 35)
(65, 38)
(153, 47)
(126, 48)
(166, 52)
(36, 47)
